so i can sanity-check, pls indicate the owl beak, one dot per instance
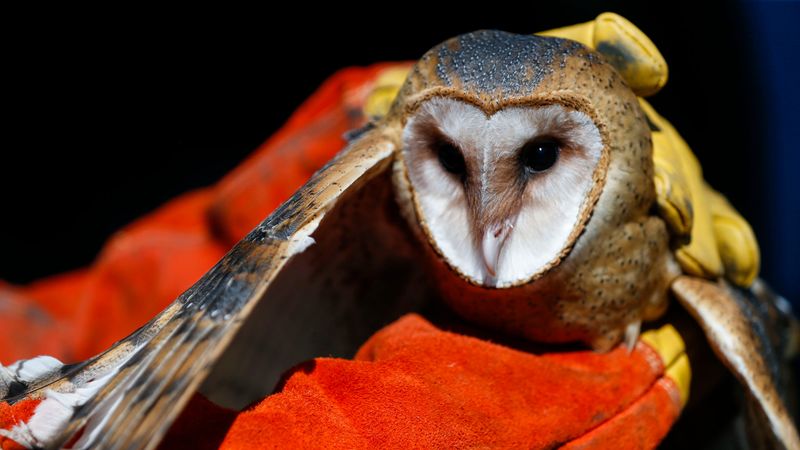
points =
(492, 245)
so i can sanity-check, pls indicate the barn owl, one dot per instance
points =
(512, 177)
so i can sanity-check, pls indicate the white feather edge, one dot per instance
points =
(28, 371)
(52, 414)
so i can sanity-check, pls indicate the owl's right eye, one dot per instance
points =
(450, 158)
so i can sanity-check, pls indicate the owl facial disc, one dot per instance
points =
(500, 195)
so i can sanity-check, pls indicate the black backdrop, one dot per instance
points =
(109, 115)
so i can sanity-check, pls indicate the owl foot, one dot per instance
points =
(632, 334)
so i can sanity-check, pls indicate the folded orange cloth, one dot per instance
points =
(413, 385)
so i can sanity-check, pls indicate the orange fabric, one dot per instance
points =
(12, 415)
(410, 385)
(413, 385)
(641, 425)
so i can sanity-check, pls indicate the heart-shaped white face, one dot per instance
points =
(501, 196)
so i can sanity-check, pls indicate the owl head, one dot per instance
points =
(519, 156)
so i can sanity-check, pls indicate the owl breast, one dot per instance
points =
(593, 297)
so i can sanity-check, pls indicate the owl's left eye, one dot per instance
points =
(450, 158)
(538, 156)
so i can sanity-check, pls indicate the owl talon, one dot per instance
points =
(632, 334)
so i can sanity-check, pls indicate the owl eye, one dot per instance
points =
(450, 158)
(539, 156)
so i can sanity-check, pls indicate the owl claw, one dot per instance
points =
(632, 334)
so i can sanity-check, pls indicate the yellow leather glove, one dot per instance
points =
(629, 50)
(385, 88)
(718, 241)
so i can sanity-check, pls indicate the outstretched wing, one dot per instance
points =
(734, 325)
(128, 396)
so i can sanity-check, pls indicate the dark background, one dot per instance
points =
(108, 115)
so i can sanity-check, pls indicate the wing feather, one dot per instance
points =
(725, 320)
(142, 383)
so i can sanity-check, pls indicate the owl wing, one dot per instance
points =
(290, 286)
(736, 323)
(715, 242)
